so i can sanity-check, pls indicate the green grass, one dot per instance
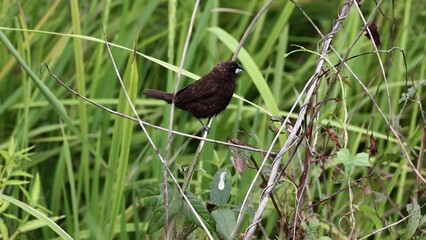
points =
(71, 170)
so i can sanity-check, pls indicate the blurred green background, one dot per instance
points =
(84, 168)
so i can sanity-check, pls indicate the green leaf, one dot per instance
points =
(24, 153)
(225, 220)
(15, 182)
(413, 220)
(36, 224)
(325, 114)
(3, 230)
(150, 195)
(5, 154)
(21, 173)
(372, 215)
(35, 190)
(3, 205)
(12, 216)
(157, 220)
(37, 214)
(201, 210)
(314, 223)
(249, 210)
(175, 201)
(220, 188)
(157, 198)
(343, 155)
(422, 221)
(311, 227)
(360, 160)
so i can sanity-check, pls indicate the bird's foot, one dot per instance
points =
(206, 129)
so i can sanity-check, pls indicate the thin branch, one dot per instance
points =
(194, 162)
(326, 198)
(248, 30)
(303, 178)
(420, 160)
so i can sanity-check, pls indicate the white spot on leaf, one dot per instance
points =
(221, 184)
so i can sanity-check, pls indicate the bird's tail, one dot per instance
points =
(159, 95)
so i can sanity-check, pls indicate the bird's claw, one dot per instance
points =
(206, 129)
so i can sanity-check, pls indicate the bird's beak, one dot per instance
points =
(239, 69)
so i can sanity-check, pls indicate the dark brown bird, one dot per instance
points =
(208, 96)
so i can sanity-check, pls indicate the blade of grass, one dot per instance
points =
(54, 102)
(84, 171)
(37, 214)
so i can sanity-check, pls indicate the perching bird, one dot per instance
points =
(208, 96)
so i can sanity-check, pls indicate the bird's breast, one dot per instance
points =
(214, 104)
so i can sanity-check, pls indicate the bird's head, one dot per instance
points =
(229, 68)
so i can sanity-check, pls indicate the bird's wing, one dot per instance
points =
(196, 91)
